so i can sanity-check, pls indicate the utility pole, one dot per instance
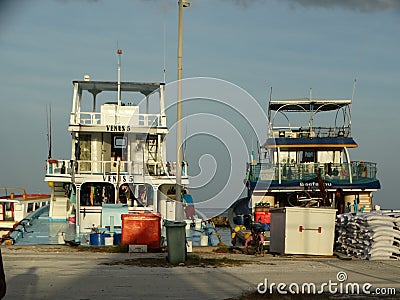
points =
(182, 4)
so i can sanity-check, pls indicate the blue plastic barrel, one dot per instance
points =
(196, 240)
(266, 226)
(97, 239)
(240, 220)
(117, 238)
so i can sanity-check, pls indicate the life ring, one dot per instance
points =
(345, 172)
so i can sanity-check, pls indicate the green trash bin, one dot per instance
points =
(176, 242)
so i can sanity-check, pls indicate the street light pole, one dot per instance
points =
(182, 4)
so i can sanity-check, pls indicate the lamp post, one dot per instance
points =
(182, 4)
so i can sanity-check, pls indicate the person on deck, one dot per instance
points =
(189, 205)
(339, 201)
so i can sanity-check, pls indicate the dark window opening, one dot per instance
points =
(309, 156)
(96, 194)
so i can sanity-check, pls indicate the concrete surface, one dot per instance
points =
(60, 273)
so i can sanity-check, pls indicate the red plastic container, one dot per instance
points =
(141, 229)
(262, 217)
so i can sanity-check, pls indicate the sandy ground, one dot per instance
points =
(62, 272)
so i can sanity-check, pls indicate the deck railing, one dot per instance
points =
(64, 168)
(299, 132)
(95, 118)
(356, 170)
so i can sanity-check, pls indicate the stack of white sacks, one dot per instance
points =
(374, 235)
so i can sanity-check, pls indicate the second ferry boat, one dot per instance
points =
(305, 164)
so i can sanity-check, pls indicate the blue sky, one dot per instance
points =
(291, 45)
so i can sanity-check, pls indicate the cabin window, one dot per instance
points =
(285, 157)
(96, 194)
(329, 156)
(85, 152)
(124, 194)
(308, 156)
(119, 144)
(136, 195)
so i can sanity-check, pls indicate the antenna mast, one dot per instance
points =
(352, 97)
(165, 46)
(269, 112)
(354, 89)
(49, 125)
(119, 52)
(310, 122)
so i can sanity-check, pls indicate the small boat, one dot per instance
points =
(17, 209)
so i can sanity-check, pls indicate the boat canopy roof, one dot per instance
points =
(307, 104)
(146, 88)
(306, 142)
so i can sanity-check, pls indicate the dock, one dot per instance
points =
(51, 272)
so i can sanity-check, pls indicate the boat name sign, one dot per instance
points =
(314, 184)
(118, 128)
(122, 178)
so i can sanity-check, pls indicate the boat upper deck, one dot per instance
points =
(118, 130)
(145, 88)
(304, 111)
(114, 115)
(308, 104)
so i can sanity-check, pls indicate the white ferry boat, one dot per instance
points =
(304, 162)
(118, 160)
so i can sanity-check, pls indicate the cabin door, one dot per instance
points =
(119, 146)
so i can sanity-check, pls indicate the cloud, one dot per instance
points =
(245, 3)
(163, 5)
(89, 1)
(357, 5)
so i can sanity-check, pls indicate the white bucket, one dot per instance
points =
(198, 223)
(188, 222)
(109, 241)
(61, 238)
(189, 246)
(204, 240)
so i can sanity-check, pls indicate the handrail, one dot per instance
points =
(14, 189)
(94, 167)
(28, 200)
(95, 118)
(318, 131)
(360, 170)
(12, 194)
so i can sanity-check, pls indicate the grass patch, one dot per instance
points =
(104, 249)
(111, 249)
(230, 249)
